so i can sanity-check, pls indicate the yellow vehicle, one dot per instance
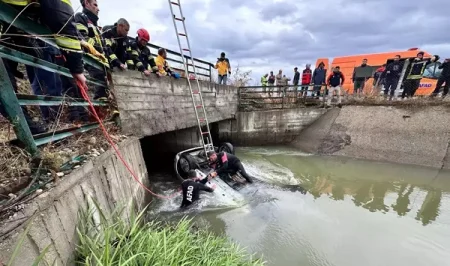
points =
(348, 64)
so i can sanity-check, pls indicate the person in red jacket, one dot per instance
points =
(306, 79)
(335, 81)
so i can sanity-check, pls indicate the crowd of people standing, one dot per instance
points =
(387, 79)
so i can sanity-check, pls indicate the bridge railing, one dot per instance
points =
(278, 97)
(204, 69)
(14, 103)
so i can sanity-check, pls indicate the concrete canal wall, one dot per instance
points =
(411, 135)
(53, 214)
(266, 127)
(150, 106)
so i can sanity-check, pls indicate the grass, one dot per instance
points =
(113, 241)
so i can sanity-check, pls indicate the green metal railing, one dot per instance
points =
(12, 102)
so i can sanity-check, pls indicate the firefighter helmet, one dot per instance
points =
(143, 34)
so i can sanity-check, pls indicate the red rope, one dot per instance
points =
(83, 89)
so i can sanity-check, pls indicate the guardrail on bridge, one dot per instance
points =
(279, 97)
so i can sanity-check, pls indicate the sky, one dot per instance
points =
(269, 35)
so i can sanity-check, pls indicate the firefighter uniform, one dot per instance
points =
(57, 16)
(115, 45)
(86, 23)
(54, 14)
(140, 58)
(414, 74)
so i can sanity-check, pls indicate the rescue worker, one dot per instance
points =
(358, 83)
(392, 75)
(223, 67)
(138, 54)
(225, 163)
(296, 79)
(306, 78)
(116, 42)
(161, 64)
(264, 82)
(414, 73)
(191, 188)
(86, 23)
(57, 16)
(318, 78)
(443, 78)
(335, 81)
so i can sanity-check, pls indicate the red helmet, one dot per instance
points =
(143, 34)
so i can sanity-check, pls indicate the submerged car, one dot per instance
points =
(196, 159)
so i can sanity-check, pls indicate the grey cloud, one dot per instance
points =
(339, 28)
(278, 10)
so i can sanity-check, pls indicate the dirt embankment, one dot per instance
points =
(410, 134)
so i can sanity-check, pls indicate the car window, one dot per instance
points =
(437, 71)
(432, 71)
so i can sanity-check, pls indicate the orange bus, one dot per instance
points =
(348, 64)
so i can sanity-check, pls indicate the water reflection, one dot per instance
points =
(367, 184)
(371, 196)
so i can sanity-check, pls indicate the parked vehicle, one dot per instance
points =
(347, 65)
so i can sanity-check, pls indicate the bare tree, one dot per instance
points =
(240, 78)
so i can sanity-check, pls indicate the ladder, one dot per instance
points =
(196, 94)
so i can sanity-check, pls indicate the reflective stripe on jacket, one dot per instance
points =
(57, 15)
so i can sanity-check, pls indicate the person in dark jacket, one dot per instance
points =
(138, 54)
(359, 83)
(92, 42)
(306, 78)
(116, 42)
(392, 76)
(443, 78)
(226, 163)
(378, 78)
(414, 73)
(191, 188)
(319, 78)
(296, 79)
(335, 81)
(57, 16)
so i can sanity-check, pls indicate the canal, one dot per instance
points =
(312, 210)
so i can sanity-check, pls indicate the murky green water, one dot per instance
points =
(350, 212)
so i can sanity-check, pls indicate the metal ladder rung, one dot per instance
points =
(197, 102)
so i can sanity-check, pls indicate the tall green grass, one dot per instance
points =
(113, 241)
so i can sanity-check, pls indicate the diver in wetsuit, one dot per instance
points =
(225, 163)
(191, 188)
